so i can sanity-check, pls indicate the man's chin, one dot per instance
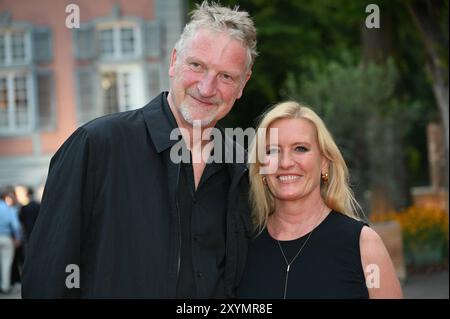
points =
(202, 121)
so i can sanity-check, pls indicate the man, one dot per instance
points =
(29, 210)
(120, 218)
(10, 235)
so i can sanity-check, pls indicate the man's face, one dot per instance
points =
(207, 77)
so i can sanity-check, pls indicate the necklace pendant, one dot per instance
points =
(288, 267)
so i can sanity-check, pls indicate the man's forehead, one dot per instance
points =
(217, 48)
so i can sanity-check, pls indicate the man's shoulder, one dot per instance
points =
(113, 123)
(122, 123)
(105, 133)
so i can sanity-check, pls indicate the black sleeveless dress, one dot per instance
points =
(329, 265)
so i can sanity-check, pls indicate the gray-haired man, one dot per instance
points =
(121, 219)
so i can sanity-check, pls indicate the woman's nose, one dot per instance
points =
(285, 160)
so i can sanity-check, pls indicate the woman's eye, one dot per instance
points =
(301, 149)
(271, 151)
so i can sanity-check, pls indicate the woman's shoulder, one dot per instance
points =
(345, 220)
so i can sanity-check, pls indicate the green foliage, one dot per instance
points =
(297, 39)
(347, 95)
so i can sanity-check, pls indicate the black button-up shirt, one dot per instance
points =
(110, 200)
(202, 222)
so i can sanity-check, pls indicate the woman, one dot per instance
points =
(311, 243)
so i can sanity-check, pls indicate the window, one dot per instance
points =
(114, 78)
(116, 91)
(26, 92)
(127, 40)
(14, 47)
(118, 41)
(2, 49)
(15, 105)
(21, 101)
(18, 47)
(107, 42)
(4, 102)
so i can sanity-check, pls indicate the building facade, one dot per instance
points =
(57, 74)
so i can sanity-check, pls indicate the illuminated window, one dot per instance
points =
(15, 104)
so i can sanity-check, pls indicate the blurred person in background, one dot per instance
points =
(10, 236)
(29, 209)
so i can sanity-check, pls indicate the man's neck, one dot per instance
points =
(192, 136)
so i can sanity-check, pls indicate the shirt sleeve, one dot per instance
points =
(54, 246)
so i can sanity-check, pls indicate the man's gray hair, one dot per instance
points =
(212, 16)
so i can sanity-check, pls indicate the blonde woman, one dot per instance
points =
(311, 242)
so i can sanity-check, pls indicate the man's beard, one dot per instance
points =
(204, 122)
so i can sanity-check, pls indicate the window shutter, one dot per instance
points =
(153, 80)
(42, 45)
(152, 39)
(87, 93)
(85, 42)
(46, 100)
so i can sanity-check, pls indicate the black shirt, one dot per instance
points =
(110, 203)
(328, 266)
(203, 215)
(202, 221)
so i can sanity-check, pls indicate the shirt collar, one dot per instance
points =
(160, 123)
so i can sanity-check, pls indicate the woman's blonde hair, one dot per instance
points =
(336, 193)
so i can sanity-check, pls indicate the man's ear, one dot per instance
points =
(247, 77)
(173, 61)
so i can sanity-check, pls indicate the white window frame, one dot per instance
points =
(12, 128)
(135, 78)
(7, 34)
(117, 44)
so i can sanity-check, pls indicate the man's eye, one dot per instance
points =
(195, 65)
(301, 149)
(227, 77)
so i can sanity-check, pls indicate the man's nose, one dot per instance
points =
(207, 85)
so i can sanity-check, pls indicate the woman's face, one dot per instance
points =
(295, 159)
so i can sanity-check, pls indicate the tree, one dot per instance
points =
(431, 19)
(297, 39)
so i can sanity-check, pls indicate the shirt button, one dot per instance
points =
(196, 238)
(199, 274)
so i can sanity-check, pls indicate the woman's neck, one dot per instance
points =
(294, 219)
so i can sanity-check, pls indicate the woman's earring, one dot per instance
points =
(324, 177)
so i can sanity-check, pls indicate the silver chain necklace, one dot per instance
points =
(288, 264)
